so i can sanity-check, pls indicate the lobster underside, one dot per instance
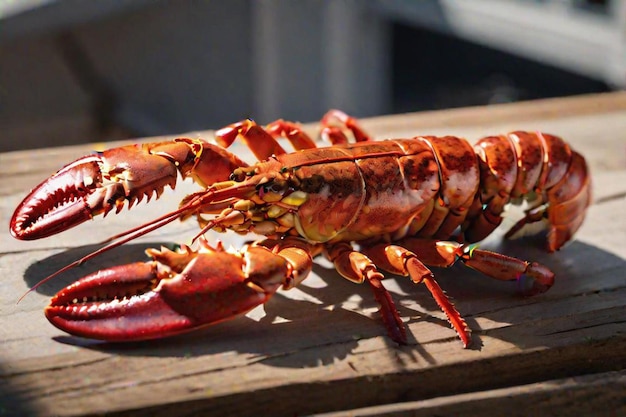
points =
(396, 206)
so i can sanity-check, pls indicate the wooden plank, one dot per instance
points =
(574, 396)
(321, 347)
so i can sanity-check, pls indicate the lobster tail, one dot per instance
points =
(567, 203)
(530, 166)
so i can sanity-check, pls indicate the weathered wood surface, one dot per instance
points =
(321, 348)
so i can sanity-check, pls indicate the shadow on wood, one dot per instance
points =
(300, 324)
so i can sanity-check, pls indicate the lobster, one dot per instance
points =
(395, 206)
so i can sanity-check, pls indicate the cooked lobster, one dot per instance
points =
(397, 205)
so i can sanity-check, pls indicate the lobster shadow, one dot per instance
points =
(241, 334)
(319, 330)
(122, 255)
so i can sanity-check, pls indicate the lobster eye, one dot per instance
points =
(240, 174)
(274, 187)
(237, 176)
(272, 190)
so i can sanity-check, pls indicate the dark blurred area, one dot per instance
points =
(462, 73)
(75, 71)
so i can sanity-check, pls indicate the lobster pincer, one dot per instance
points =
(175, 292)
(96, 184)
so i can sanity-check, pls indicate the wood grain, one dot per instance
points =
(321, 348)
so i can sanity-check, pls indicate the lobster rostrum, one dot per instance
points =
(397, 205)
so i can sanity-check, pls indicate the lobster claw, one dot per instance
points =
(176, 292)
(98, 183)
(58, 203)
(92, 185)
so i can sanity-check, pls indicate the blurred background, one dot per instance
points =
(76, 71)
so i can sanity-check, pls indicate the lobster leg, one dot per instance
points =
(532, 216)
(261, 143)
(407, 256)
(401, 261)
(357, 267)
(335, 122)
(532, 277)
(292, 132)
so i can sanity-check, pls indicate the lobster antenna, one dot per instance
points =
(131, 234)
(194, 202)
(167, 216)
(153, 225)
(135, 233)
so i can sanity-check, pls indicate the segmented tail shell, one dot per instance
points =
(520, 164)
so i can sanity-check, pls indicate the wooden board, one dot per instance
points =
(321, 348)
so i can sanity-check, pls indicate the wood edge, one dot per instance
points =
(363, 391)
(595, 390)
(545, 109)
(551, 108)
